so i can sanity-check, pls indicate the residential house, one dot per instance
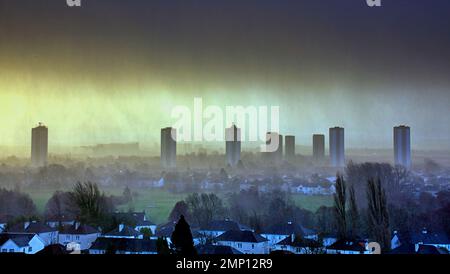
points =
(48, 234)
(57, 221)
(218, 227)
(124, 231)
(281, 231)
(83, 235)
(348, 246)
(425, 237)
(296, 245)
(136, 219)
(123, 246)
(28, 243)
(245, 241)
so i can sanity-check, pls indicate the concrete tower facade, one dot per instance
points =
(39, 146)
(337, 147)
(402, 146)
(233, 145)
(168, 147)
(318, 147)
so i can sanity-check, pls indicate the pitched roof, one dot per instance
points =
(125, 245)
(430, 249)
(165, 230)
(32, 227)
(126, 231)
(288, 228)
(241, 236)
(21, 240)
(348, 245)
(216, 249)
(78, 229)
(221, 225)
(54, 249)
(299, 243)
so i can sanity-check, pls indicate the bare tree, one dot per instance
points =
(340, 198)
(378, 217)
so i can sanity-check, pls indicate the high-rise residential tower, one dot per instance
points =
(168, 147)
(337, 148)
(274, 146)
(233, 145)
(39, 145)
(318, 147)
(402, 146)
(289, 149)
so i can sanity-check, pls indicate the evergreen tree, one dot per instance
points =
(182, 238)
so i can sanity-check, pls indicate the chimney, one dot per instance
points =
(77, 225)
(26, 225)
(292, 237)
(121, 226)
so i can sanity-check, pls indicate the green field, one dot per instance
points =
(158, 203)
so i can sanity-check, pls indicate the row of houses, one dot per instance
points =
(218, 237)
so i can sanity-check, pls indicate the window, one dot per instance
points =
(253, 246)
(4, 250)
(11, 250)
(239, 245)
(30, 249)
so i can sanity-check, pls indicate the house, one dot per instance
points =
(83, 235)
(124, 231)
(136, 219)
(348, 246)
(409, 248)
(4, 219)
(123, 246)
(28, 243)
(218, 227)
(279, 232)
(55, 249)
(48, 234)
(62, 220)
(165, 231)
(297, 245)
(210, 249)
(245, 241)
(425, 237)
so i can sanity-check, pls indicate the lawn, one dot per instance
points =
(158, 203)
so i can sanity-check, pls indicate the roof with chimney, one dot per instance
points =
(288, 241)
(288, 228)
(78, 229)
(241, 236)
(348, 245)
(123, 231)
(32, 227)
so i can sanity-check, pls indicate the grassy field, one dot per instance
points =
(158, 203)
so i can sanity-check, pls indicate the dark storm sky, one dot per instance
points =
(324, 62)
